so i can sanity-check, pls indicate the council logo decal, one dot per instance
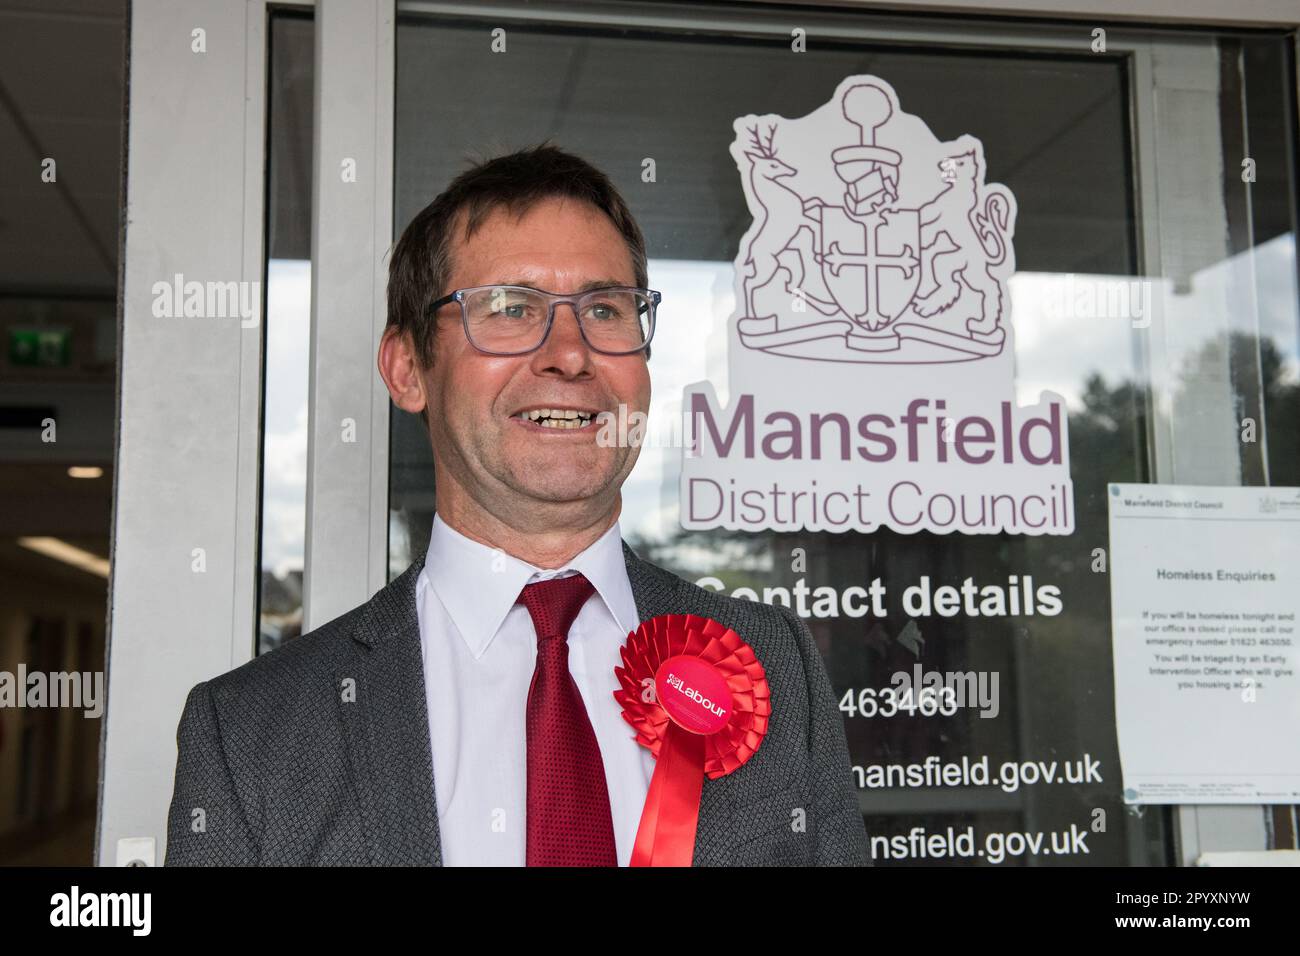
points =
(871, 358)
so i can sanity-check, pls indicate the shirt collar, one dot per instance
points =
(478, 584)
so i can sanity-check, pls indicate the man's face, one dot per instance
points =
(508, 464)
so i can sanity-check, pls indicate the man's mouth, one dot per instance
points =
(560, 418)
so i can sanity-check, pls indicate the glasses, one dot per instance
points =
(514, 319)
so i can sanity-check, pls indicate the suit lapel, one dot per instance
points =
(656, 592)
(386, 729)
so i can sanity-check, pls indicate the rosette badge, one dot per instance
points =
(698, 698)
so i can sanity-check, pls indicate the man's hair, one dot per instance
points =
(420, 268)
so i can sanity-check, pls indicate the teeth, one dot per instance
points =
(557, 417)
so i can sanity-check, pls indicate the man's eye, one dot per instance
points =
(605, 311)
(510, 307)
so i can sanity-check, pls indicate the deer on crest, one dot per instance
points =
(784, 238)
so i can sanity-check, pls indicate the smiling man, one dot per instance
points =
(465, 715)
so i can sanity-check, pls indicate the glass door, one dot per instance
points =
(1153, 295)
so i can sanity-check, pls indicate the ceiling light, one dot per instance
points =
(68, 554)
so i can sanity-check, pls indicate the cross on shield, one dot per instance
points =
(869, 262)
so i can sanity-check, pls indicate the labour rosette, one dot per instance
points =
(698, 699)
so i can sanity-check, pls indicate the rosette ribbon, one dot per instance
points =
(698, 699)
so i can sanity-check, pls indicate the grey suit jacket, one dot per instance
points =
(276, 767)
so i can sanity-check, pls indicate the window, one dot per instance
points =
(1124, 165)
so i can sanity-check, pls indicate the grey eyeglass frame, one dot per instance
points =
(553, 299)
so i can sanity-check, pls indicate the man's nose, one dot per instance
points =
(564, 347)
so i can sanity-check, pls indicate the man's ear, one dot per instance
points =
(400, 370)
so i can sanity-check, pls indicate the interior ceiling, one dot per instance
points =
(61, 82)
(62, 66)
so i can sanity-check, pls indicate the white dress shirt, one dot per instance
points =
(480, 650)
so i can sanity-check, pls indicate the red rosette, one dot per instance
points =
(711, 719)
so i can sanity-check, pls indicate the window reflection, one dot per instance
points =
(287, 342)
(284, 450)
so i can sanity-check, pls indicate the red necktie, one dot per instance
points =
(569, 822)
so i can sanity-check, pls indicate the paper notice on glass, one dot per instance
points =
(1205, 589)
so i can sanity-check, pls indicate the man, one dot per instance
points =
(465, 714)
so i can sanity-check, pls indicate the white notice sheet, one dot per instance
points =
(1205, 588)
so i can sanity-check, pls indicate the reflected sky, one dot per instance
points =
(284, 477)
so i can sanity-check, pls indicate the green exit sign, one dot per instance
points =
(39, 347)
